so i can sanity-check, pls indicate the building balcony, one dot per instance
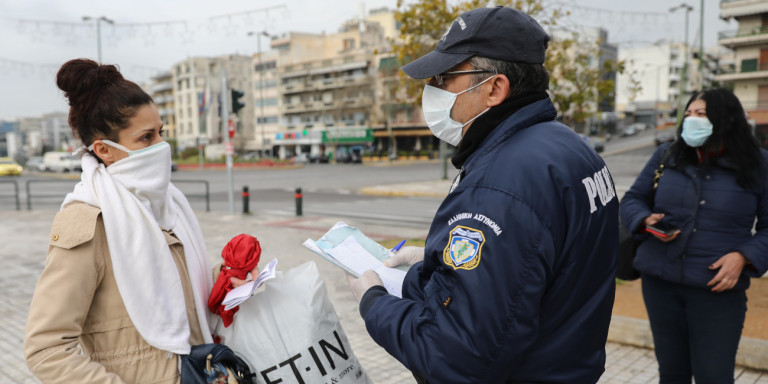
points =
(312, 106)
(744, 37)
(749, 69)
(757, 110)
(736, 8)
(162, 99)
(292, 88)
(357, 102)
(160, 87)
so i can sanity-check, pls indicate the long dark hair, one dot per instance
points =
(730, 133)
(101, 101)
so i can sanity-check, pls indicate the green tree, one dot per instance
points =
(577, 83)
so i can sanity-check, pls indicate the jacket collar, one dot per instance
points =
(531, 114)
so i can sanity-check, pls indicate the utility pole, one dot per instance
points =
(683, 76)
(98, 31)
(261, 90)
(227, 141)
(701, 45)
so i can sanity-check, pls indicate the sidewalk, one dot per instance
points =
(23, 251)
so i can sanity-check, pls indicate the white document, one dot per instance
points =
(240, 294)
(353, 256)
(355, 253)
(392, 279)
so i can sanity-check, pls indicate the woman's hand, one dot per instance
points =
(655, 218)
(730, 270)
(238, 282)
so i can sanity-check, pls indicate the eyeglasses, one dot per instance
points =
(440, 79)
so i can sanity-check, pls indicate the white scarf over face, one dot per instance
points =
(137, 200)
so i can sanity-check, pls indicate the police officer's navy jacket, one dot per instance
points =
(714, 214)
(517, 283)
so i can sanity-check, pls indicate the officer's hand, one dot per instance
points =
(359, 285)
(405, 256)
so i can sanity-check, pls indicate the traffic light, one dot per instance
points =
(236, 104)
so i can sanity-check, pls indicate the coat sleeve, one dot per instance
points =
(634, 206)
(58, 310)
(472, 326)
(756, 249)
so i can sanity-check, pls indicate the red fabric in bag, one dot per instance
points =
(241, 254)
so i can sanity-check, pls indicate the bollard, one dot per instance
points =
(298, 201)
(246, 197)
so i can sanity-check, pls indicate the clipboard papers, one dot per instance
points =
(349, 249)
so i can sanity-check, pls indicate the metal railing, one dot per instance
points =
(746, 67)
(15, 193)
(206, 195)
(58, 194)
(761, 30)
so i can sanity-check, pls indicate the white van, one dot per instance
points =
(61, 162)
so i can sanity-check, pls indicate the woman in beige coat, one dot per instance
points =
(127, 278)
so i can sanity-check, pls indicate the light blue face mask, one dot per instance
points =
(696, 131)
(128, 151)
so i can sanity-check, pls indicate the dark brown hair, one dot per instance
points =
(101, 101)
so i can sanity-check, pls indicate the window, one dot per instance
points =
(267, 120)
(270, 102)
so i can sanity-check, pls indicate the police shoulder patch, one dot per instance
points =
(464, 247)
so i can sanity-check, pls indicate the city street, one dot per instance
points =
(327, 189)
(331, 193)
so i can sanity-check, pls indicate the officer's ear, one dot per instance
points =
(499, 90)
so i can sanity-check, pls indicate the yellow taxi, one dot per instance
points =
(9, 167)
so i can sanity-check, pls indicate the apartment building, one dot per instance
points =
(266, 96)
(161, 90)
(327, 88)
(197, 88)
(749, 42)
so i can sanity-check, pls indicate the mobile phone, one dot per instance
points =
(661, 229)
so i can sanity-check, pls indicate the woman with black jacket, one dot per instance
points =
(696, 266)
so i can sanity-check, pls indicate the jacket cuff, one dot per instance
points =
(370, 297)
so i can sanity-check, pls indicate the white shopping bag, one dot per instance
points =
(289, 333)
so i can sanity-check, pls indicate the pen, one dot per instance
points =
(398, 246)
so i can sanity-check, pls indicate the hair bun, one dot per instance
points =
(80, 76)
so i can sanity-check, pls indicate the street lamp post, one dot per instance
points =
(683, 76)
(261, 87)
(98, 31)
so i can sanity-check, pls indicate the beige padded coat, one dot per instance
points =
(78, 330)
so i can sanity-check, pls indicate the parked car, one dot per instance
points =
(61, 162)
(640, 127)
(629, 130)
(35, 164)
(665, 133)
(594, 142)
(301, 158)
(8, 167)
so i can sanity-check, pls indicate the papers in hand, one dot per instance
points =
(240, 294)
(355, 253)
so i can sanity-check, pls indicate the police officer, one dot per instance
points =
(517, 278)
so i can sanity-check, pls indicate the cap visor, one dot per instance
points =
(434, 63)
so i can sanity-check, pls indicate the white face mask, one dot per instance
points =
(437, 104)
(146, 172)
(128, 151)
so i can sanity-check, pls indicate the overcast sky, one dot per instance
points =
(37, 36)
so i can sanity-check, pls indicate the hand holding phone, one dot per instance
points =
(661, 229)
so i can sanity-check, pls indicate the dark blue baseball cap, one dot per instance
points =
(500, 33)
